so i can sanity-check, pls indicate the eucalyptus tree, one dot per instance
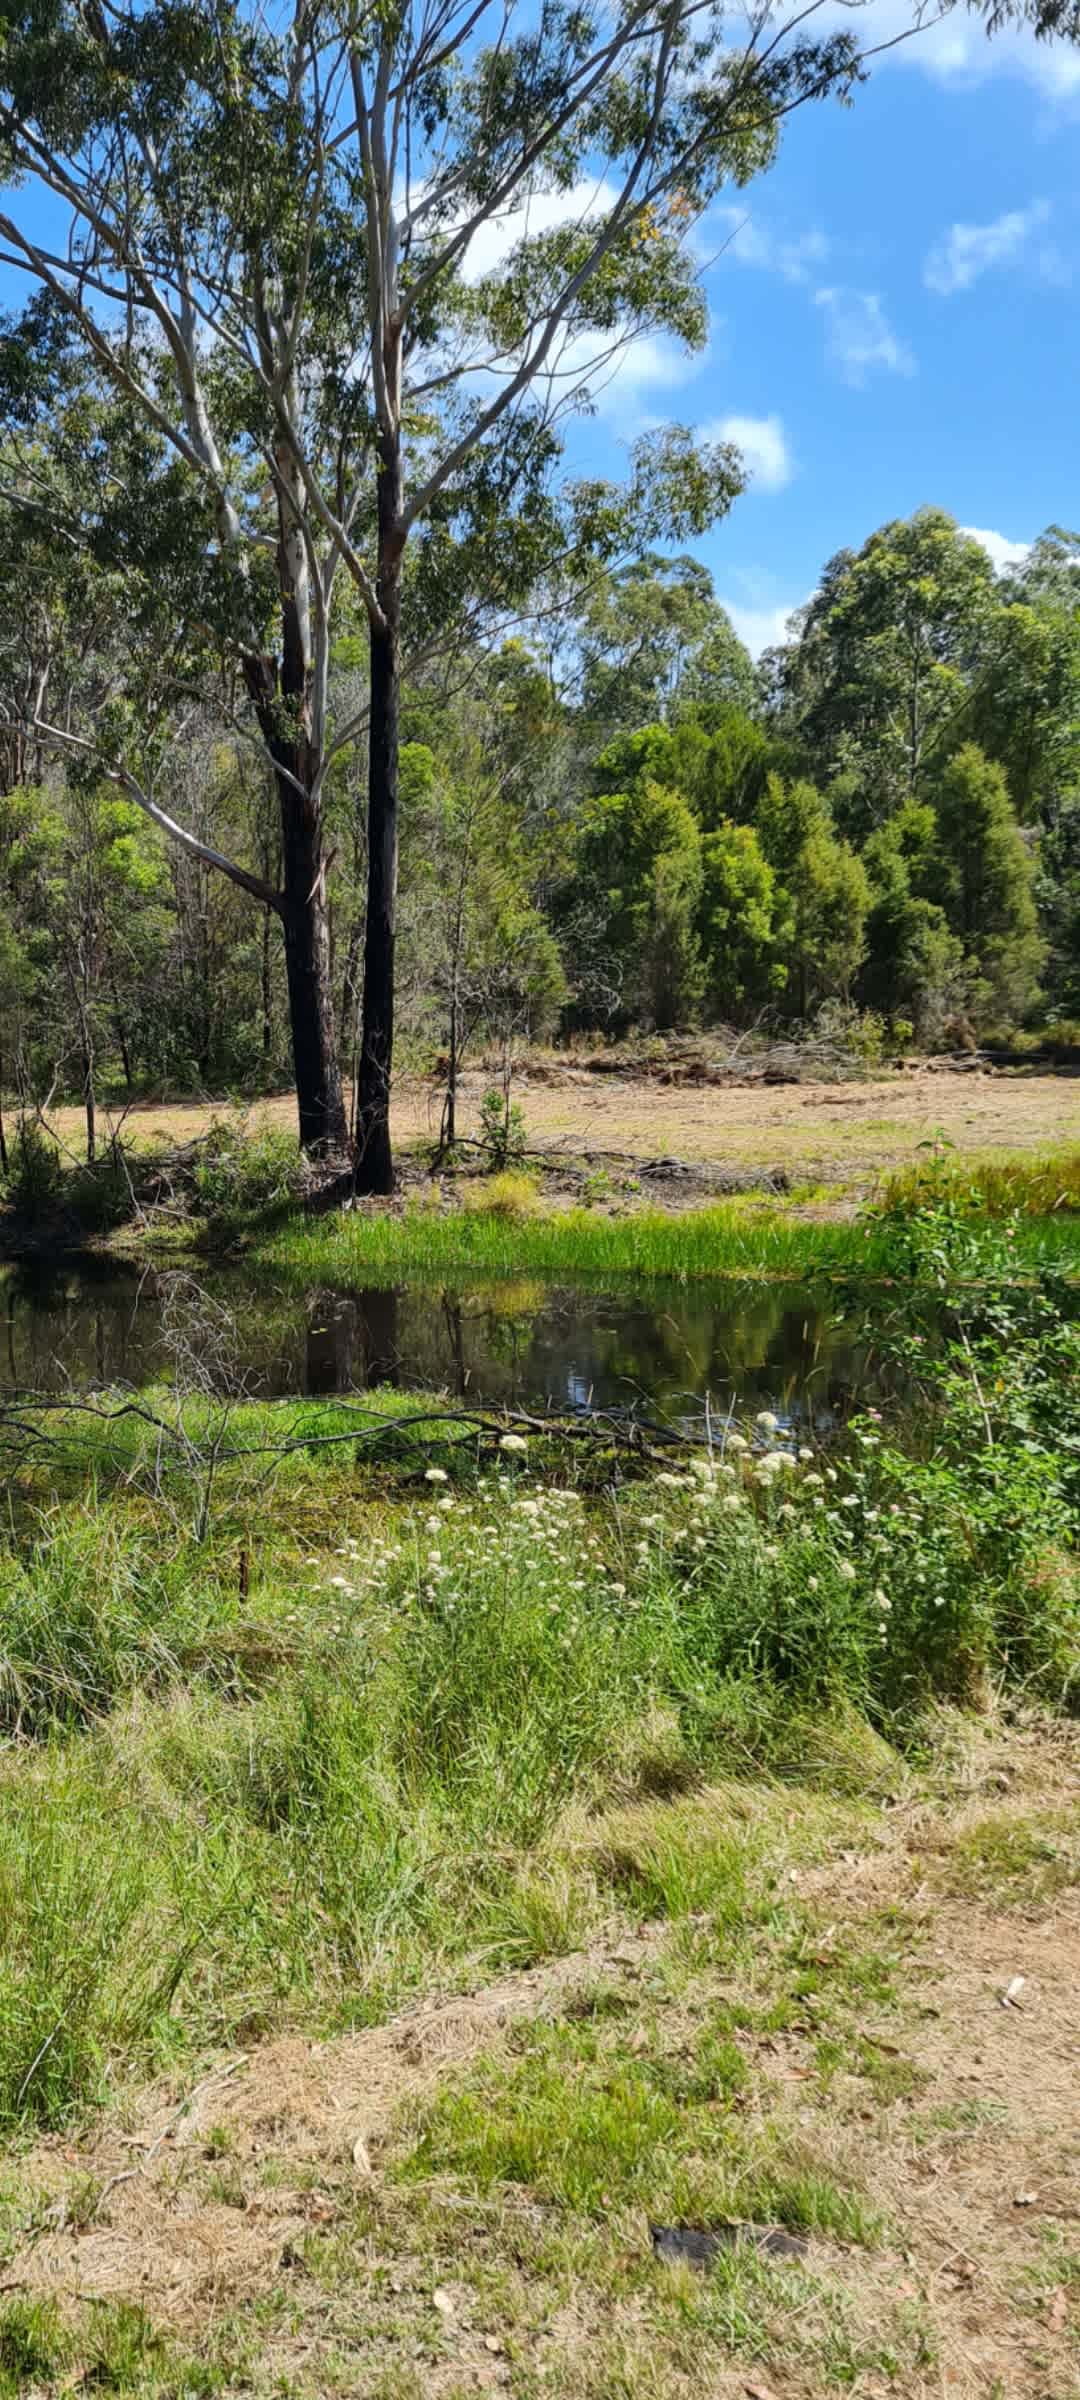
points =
(877, 680)
(653, 634)
(353, 264)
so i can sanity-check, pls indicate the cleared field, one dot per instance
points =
(831, 1132)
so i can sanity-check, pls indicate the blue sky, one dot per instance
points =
(894, 319)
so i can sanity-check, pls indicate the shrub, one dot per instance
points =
(35, 1176)
(100, 1196)
(503, 1138)
(240, 1174)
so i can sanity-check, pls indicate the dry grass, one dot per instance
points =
(846, 1132)
(365, 2214)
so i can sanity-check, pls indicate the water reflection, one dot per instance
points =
(805, 1351)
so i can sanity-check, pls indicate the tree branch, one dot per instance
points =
(126, 782)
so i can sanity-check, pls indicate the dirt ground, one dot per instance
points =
(269, 2196)
(828, 1132)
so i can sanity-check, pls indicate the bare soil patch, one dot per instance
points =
(828, 1132)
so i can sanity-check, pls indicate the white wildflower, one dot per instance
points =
(514, 1442)
(766, 1420)
(436, 1475)
(846, 1570)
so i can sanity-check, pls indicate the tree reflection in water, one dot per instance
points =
(807, 1352)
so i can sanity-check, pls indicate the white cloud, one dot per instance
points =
(738, 236)
(967, 251)
(860, 337)
(1001, 552)
(760, 628)
(763, 444)
(493, 241)
(623, 376)
(954, 47)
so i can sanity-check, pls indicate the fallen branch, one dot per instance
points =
(26, 1419)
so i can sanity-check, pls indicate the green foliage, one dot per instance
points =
(503, 1132)
(239, 1175)
(744, 921)
(654, 639)
(35, 1176)
(883, 656)
(826, 886)
(640, 861)
(986, 880)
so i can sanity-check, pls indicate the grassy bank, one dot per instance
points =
(223, 1811)
(311, 1710)
(732, 1239)
(301, 1705)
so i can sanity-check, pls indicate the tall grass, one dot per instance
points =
(379, 1246)
(1040, 1187)
(731, 1239)
(221, 1807)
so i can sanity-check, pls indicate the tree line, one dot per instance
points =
(313, 294)
(618, 820)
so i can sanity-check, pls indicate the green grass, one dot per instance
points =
(1043, 1187)
(730, 1239)
(327, 1753)
(1020, 1862)
(581, 2121)
(114, 2348)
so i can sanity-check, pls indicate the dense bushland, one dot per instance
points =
(638, 828)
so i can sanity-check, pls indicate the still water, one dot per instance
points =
(655, 1348)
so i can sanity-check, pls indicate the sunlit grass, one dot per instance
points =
(378, 1247)
(1045, 1187)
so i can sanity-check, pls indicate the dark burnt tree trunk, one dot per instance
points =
(282, 700)
(307, 969)
(267, 988)
(374, 1171)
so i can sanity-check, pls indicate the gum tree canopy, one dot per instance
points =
(349, 268)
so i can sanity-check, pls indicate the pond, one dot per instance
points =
(658, 1348)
